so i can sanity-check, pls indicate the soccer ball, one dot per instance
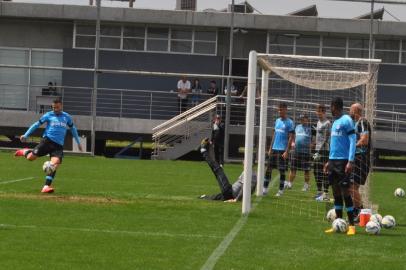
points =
(399, 192)
(331, 215)
(388, 222)
(48, 167)
(372, 227)
(376, 218)
(340, 225)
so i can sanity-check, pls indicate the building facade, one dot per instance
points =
(34, 36)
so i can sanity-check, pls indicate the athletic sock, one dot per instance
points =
(27, 153)
(267, 178)
(282, 180)
(325, 186)
(350, 214)
(338, 206)
(266, 182)
(49, 178)
(319, 186)
(350, 209)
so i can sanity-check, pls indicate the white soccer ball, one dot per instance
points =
(376, 218)
(331, 215)
(372, 227)
(340, 225)
(388, 222)
(399, 192)
(48, 167)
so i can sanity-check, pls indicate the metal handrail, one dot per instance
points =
(182, 121)
(186, 113)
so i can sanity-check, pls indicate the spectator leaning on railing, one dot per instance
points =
(183, 91)
(213, 90)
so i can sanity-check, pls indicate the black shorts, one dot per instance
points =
(361, 168)
(336, 173)
(46, 146)
(300, 161)
(276, 161)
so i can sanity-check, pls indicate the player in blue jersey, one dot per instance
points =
(340, 164)
(300, 158)
(57, 123)
(279, 151)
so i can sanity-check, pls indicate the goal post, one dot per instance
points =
(304, 81)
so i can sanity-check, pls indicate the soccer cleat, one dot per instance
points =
(265, 191)
(323, 198)
(47, 189)
(319, 193)
(288, 185)
(329, 230)
(306, 187)
(20, 152)
(351, 230)
(279, 193)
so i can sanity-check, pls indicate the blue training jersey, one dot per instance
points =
(282, 129)
(303, 138)
(343, 139)
(57, 125)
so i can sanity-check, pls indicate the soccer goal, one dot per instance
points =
(303, 82)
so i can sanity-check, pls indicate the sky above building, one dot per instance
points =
(326, 8)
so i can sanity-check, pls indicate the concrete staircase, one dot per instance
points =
(183, 133)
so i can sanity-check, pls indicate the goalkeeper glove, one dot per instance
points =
(316, 156)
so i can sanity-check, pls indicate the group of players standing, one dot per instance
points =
(340, 154)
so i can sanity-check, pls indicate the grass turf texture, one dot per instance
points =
(126, 214)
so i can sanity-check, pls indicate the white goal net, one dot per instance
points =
(303, 83)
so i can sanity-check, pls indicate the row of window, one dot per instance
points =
(390, 51)
(19, 87)
(203, 41)
(142, 38)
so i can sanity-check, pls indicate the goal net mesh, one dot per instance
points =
(304, 82)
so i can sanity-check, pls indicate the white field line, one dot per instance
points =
(16, 180)
(222, 247)
(105, 231)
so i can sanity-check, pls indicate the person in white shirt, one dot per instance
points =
(183, 91)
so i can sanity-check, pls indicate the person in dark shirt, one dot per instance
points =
(217, 139)
(213, 90)
(229, 192)
(362, 155)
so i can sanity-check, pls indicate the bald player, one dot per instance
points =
(362, 154)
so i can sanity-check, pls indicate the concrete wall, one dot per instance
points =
(210, 19)
(48, 34)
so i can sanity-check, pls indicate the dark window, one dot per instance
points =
(85, 42)
(205, 47)
(334, 42)
(181, 46)
(133, 31)
(109, 43)
(157, 45)
(136, 44)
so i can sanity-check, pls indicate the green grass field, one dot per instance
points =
(138, 214)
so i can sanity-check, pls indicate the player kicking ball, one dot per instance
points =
(52, 141)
